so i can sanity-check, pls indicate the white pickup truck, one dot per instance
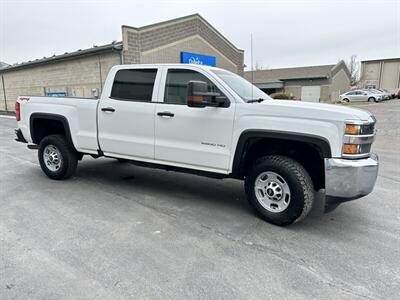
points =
(210, 122)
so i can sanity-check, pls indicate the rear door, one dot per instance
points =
(126, 116)
(199, 138)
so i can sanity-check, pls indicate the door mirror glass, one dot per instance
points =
(199, 96)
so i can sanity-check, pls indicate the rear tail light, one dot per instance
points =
(17, 111)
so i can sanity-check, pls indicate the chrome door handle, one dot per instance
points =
(110, 109)
(165, 114)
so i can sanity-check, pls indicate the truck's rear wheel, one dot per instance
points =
(57, 158)
(280, 189)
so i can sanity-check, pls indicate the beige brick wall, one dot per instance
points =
(77, 76)
(390, 76)
(325, 93)
(371, 71)
(294, 91)
(370, 74)
(171, 53)
(137, 41)
(340, 84)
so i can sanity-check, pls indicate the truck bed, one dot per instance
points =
(79, 113)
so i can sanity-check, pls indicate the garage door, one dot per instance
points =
(310, 93)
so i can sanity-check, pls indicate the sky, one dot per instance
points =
(285, 33)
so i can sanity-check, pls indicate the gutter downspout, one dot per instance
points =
(101, 79)
(4, 91)
(119, 51)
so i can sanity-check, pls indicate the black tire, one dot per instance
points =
(69, 157)
(298, 180)
(372, 99)
(346, 100)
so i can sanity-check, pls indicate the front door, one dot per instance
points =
(126, 118)
(198, 138)
(357, 96)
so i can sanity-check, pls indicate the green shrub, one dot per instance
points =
(281, 96)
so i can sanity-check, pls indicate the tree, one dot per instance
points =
(354, 68)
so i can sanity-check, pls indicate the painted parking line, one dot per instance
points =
(7, 117)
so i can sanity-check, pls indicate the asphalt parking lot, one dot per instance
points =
(121, 231)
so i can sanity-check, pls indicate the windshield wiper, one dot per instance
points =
(256, 100)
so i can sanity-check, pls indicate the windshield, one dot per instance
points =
(241, 86)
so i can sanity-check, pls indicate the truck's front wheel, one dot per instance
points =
(57, 157)
(280, 189)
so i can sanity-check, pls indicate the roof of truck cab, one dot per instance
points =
(137, 66)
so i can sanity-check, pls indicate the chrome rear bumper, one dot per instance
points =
(347, 179)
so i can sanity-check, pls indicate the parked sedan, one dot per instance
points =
(385, 94)
(361, 95)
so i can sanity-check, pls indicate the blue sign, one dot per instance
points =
(198, 59)
(56, 94)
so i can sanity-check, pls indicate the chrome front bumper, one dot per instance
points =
(347, 179)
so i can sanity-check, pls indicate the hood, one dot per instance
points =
(314, 110)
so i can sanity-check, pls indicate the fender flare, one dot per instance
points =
(55, 117)
(321, 142)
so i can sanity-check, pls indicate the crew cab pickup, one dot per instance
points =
(211, 122)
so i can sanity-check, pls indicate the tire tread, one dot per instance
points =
(300, 173)
(70, 158)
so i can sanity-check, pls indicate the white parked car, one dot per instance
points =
(361, 95)
(385, 94)
(210, 122)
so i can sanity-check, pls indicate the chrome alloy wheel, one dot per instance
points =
(272, 191)
(52, 158)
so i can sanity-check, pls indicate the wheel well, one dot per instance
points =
(309, 155)
(41, 128)
(42, 125)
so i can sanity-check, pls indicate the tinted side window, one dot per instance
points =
(177, 82)
(134, 85)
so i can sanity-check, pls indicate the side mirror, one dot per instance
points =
(198, 95)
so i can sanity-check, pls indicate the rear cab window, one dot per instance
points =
(134, 85)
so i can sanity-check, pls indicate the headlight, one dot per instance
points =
(359, 129)
(352, 129)
(358, 138)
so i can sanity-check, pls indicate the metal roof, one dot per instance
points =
(276, 75)
(381, 59)
(117, 46)
(3, 65)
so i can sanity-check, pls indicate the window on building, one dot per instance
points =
(177, 83)
(134, 85)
